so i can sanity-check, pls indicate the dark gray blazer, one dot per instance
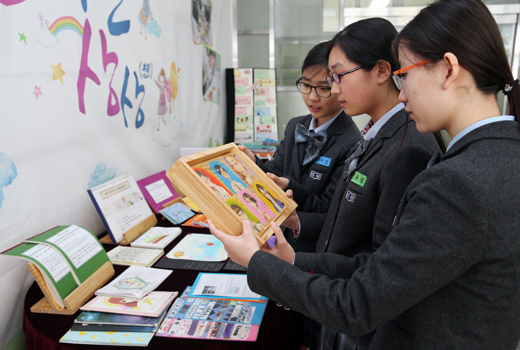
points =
(313, 185)
(361, 222)
(447, 276)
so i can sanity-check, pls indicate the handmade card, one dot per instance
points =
(158, 190)
(229, 187)
(198, 246)
(177, 213)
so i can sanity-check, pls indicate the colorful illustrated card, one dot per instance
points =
(177, 213)
(198, 246)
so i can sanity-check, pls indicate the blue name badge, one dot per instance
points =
(323, 161)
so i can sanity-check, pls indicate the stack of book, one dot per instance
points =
(119, 321)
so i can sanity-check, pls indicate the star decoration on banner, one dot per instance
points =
(58, 73)
(37, 91)
(23, 37)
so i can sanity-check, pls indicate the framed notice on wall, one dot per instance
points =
(251, 101)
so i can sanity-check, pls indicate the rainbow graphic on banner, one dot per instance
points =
(66, 23)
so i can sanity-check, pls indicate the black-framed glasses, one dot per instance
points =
(399, 75)
(335, 77)
(321, 91)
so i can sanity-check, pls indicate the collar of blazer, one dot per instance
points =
(338, 127)
(387, 131)
(506, 130)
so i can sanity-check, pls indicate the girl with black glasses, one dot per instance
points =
(310, 158)
(447, 275)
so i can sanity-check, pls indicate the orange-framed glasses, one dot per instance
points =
(399, 75)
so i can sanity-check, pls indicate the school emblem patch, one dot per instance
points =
(350, 196)
(315, 176)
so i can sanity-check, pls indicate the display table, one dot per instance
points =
(279, 328)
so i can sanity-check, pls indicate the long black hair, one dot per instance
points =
(366, 42)
(467, 29)
(317, 57)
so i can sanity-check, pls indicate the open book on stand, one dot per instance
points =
(123, 209)
(68, 263)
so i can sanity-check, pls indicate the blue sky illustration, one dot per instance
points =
(101, 175)
(7, 174)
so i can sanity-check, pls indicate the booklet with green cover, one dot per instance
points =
(65, 256)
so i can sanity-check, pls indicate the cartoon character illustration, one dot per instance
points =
(239, 169)
(123, 301)
(163, 84)
(222, 193)
(144, 14)
(236, 186)
(277, 204)
(257, 226)
(253, 202)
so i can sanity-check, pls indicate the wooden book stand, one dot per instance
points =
(74, 300)
(134, 232)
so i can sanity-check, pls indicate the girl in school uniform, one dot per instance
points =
(311, 156)
(310, 159)
(378, 170)
(447, 275)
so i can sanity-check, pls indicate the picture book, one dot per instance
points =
(198, 246)
(106, 318)
(212, 318)
(134, 282)
(177, 213)
(107, 338)
(66, 256)
(123, 255)
(157, 237)
(158, 190)
(152, 305)
(121, 205)
(111, 328)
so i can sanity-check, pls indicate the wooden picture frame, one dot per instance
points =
(229, 187)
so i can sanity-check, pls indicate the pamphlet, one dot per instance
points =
(213, 318)
(222, 285)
